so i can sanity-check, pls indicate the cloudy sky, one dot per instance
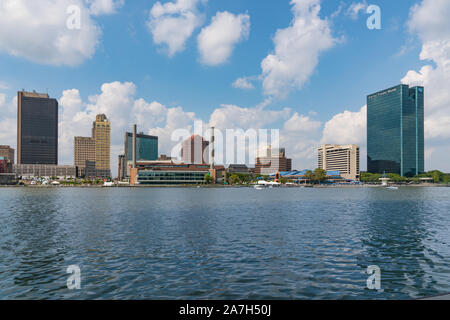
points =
(302, 66)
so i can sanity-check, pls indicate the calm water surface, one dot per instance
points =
(237, 243)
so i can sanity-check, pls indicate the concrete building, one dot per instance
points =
(271, 160)
(101, 133)
(342, 158)
(7, 152)
(238, 168)
(395, 131)
(84, 150)
(193, 150)
(44, 170)
(37, 128)
(5, 165)
(94, 150)
(7, 176)
(122, 167)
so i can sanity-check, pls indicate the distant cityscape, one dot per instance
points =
(395, 145)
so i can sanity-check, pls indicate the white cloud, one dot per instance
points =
(346, 128)
(297, 49)
(301, 123)
(8, 121)
(117, 101)
(231, 116)
(355, 8)
(243, 83)
(176, 118)
(41, 33)
(172, 24)
(216, 42)
(429, 20)
(98, 7)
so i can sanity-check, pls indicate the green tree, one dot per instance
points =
(234, 179)
(208, 178)
(309, 175)
(370, 177)
(319, 175)
(436, 177)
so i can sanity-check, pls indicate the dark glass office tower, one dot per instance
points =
(146, 147)
(37, 128)
(395, 131)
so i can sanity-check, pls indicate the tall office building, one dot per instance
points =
(270, 160)
(146, 147)
(84, 150)
(395, 131)
(193, 150)
(7, 152)
(37, 128)
(342, 158)
(122, 168)
(101, 132)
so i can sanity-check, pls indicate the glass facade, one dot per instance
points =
(146, 147)
(171, 177)
(38, 133)
(395, 131)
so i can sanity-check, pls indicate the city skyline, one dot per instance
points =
(163, 90)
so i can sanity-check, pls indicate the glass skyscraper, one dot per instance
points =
(395, 131)
(146, 147)
(37, 128)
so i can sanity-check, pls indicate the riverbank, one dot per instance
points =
(423, 185)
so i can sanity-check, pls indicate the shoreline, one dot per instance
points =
(218, 186)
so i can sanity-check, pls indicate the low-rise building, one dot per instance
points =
(170, 173)
(7, 152)
(5, 165)
(238, 168)
(301, 176)
(45, 170)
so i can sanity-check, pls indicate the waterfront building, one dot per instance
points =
(395, 131)
(301, 176)
(101, 132)
(170, 173)
(193, 150)
(146, 147)
(84, 150)
(271, 160)
(44, 170)
(342, 158)
(122, 167)
(95, 150)
(37, 128)
(238, 168)
(7, 152)
(5, 165)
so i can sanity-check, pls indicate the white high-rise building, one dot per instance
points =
(342, 158)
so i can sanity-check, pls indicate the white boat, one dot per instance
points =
(258, 187)
(108, 184)
(392, 188)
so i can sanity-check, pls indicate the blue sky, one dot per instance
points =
(358, 62)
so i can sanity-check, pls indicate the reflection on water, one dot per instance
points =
(166, 243)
